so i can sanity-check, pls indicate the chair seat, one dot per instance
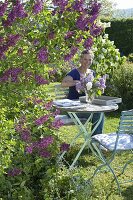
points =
(125, 141)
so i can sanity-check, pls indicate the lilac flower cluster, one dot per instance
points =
(45, 154)
(51, 35)
(11, 74)
(73, 51)
(78, 5)
(38, 6)
(82, 22)
(79, 39)
(91, 84)
(92, 18)
(24, 132)
(48, 105)
(25, 135)
(88, 43)
(20, 52)
(101, 83)
(14, 172)
(64, 147)
(94, 7)
(57, 123)
(40, 80)
(41, 146)
(95, 30)
(3, 7)
(43, 55)
(41, 120)
(69, 34)
(36, 42)
(52, 72)
(61, 4)
(57, 112)
(11, 41)
(16, 12)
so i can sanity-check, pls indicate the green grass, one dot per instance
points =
(103, 186)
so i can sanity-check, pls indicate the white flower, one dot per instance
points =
(117, 58)
(105, 36)
(88, 71)
(89, 85)
(104, 50)
(101, 56)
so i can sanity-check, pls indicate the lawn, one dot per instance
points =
(103, 186)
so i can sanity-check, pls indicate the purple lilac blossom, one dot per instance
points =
(45, 142)
(16, 12)
(38, 6)
(93, 18)
(1, 39)
(43, 55)
(74, 50)
(20, 52)
(95, 30)
(64, 147)
(37, 101)
(61, 4)
(3, 7)
(10, 19)
(51, 35)
(41, 120)
(48, 105)
(57, 112)
(11, 74)
(78, 5)
(12, 40)
(67, 57)
(57, 123)
(52, 72)
(89, 78)
(45, 154)
(40, 80)
(82, 23)
(95, 7)
(36, 42)
(2, 55)
(29, 149)
(25, 135)
(79, 39)
(19, 10)
(88, 43)
(69, 34)
(102, 83)
(14, 172)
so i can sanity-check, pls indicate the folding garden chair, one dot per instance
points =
(120, 141)
(61, 93)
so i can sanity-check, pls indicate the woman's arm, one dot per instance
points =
(68, 82)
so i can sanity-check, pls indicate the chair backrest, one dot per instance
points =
(126, 122)
(61, 92)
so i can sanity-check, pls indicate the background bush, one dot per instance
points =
(121, 85)
(121, 33)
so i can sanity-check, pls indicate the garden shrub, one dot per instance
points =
(130, 57)
(121, 85)
(33, 36)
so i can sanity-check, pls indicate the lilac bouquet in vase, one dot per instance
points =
(92, 86)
